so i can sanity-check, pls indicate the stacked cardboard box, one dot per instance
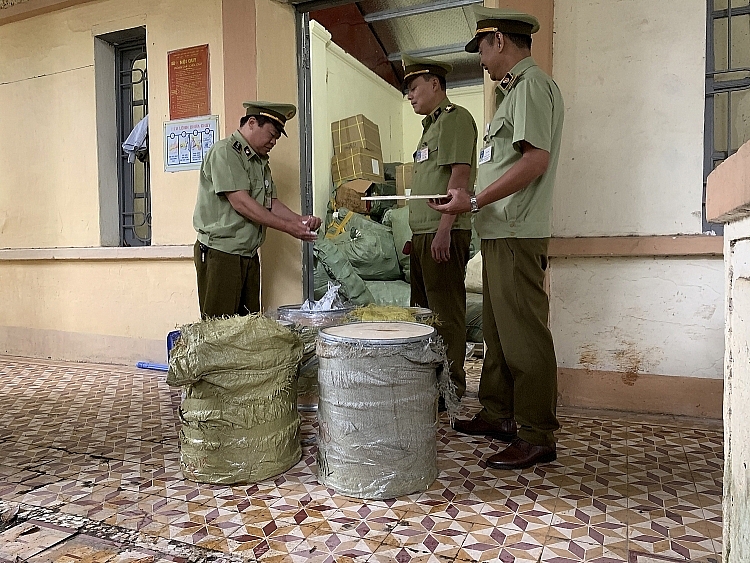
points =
(357, 162)
(355, 132)
(404, 176)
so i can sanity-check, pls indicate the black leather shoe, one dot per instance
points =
(504, 430)
(520, 455)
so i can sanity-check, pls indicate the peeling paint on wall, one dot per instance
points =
(634, 316)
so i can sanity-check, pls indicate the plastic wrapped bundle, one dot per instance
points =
(377, 408)
(239, 415)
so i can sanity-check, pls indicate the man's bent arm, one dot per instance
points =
(255, 212)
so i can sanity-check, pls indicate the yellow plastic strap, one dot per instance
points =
(340, 226)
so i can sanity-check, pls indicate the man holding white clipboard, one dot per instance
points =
(445, 159)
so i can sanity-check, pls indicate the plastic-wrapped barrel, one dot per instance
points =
(377, 408)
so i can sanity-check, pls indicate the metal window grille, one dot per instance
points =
(134, 178)
(727, 86)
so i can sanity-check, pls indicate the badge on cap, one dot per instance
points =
(508, 81)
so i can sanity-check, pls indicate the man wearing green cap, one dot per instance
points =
(445, 158)
(513, 206)
(236, 203)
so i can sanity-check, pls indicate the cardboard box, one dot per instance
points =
(356, 132)
(357, 164)
(404, 176)
(349, 193)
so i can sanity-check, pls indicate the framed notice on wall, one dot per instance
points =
(189, 88)
(186, 142)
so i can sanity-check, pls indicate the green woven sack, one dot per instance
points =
(239, 413)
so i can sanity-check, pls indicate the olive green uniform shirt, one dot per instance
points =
(231, 165)
(449, 137)
(530, 109)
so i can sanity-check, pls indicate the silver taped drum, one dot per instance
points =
(377, 408)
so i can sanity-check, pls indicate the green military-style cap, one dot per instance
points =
(491, 20)
(278, 113)
(414, 67)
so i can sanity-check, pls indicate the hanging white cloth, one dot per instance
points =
(137, 141)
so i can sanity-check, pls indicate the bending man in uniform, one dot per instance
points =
(513, 206)
(445, 159)
(236, 203)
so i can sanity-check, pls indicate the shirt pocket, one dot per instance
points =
(496, 125)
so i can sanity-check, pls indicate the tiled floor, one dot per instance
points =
(89, 454)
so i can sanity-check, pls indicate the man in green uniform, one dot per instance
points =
(516, 174)
(236, 203)
(445, 158)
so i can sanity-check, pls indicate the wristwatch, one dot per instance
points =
(474, 204)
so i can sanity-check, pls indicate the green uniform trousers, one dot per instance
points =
(441, 288)
(228, 284)
(519, 374)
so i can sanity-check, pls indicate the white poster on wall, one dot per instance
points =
(186, 142)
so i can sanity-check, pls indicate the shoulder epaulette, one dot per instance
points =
(449, 108)
(237, 146)
(508, 81)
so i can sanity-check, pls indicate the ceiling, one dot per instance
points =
(376, 32)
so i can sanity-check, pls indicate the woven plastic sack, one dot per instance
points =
(239, 413)
(474, 317)
(396, 292)
(474, 274)
(398, 220)
(321, 280)
(338, 268)
(368, 246)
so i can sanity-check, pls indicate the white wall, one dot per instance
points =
(636, 315)
(632, 75)
(342, 87)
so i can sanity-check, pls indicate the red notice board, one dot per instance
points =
(189, 90)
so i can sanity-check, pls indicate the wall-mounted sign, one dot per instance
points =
(186, 142)
(189, 89)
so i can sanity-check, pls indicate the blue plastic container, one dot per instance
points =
(171, 339)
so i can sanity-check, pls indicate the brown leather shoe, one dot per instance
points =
(504, 430)
(520, 455)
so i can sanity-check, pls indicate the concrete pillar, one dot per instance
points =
(728, 201)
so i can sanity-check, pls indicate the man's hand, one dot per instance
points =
(299, 228)
(458, 202)
(441, 246)
(313, 222)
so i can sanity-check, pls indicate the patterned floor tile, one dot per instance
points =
(502, 544)
(99, 446)
(574, 551)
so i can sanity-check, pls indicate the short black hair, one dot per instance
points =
(519, 40)
(261, 119)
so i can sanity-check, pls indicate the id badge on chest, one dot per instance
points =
(423, 154)
(485, 155)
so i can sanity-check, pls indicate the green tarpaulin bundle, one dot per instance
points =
(239, 413)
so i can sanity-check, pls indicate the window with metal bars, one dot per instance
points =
(727, 86)
(133, 177)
